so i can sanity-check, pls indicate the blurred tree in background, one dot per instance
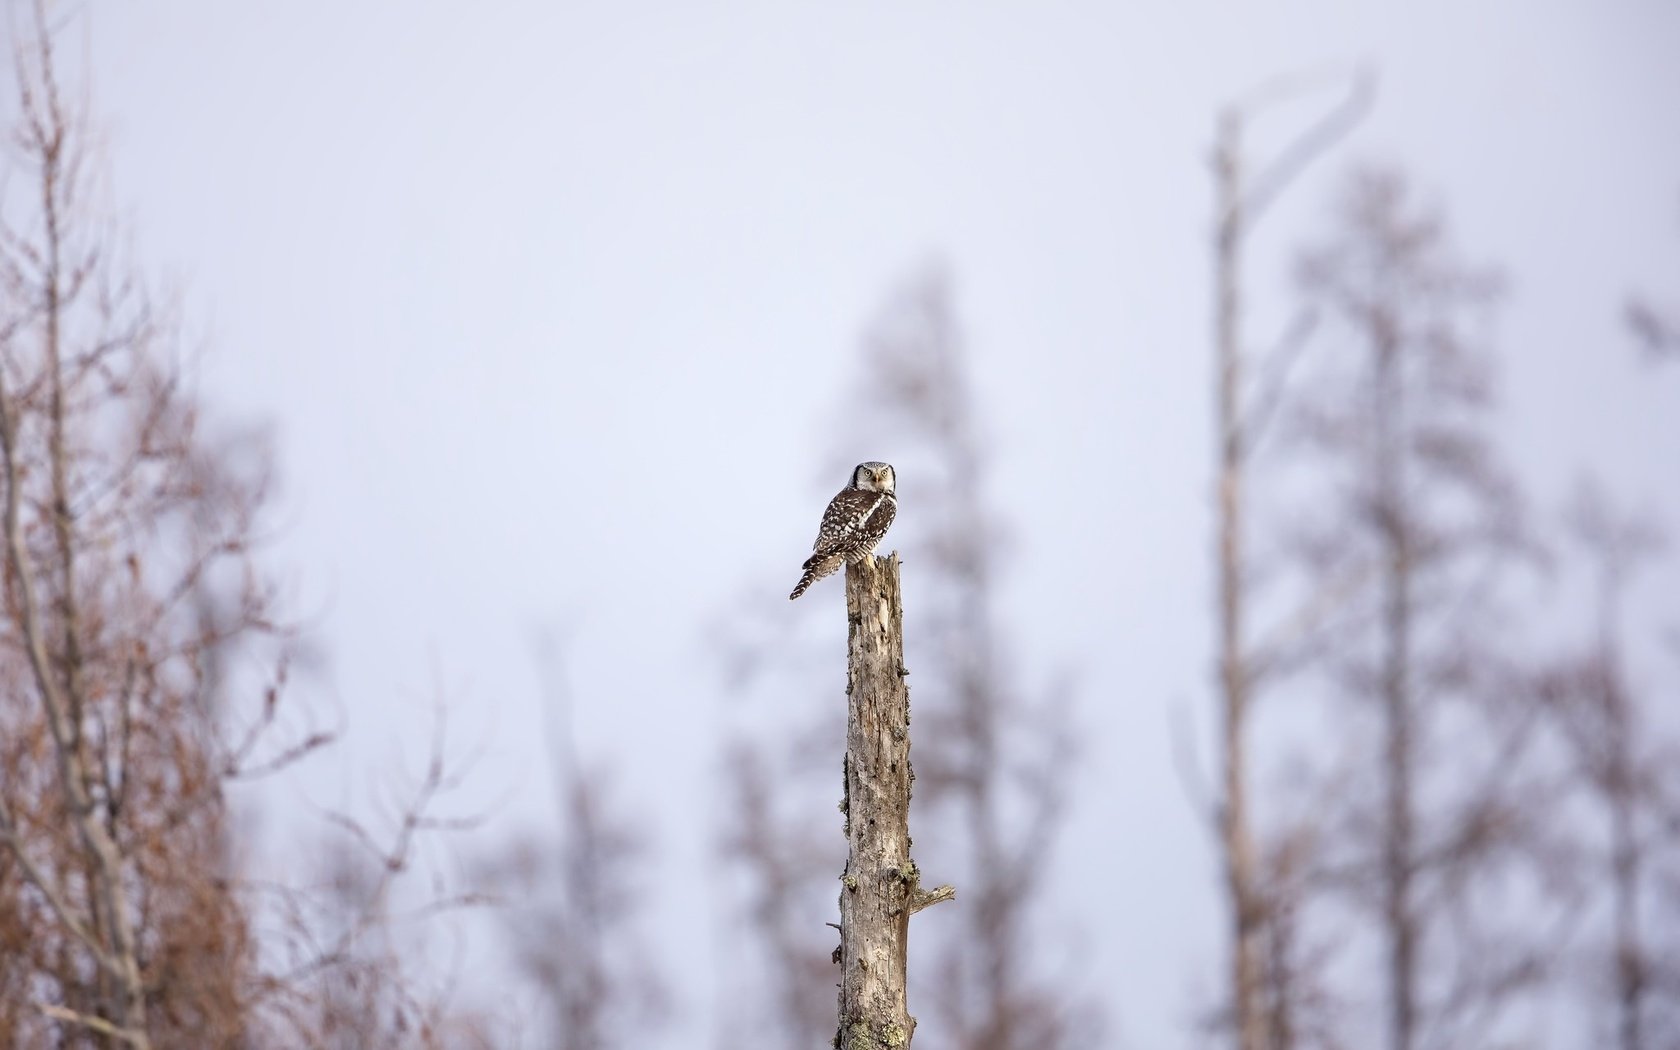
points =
(1620, 791)
(127, 575)
(1427, 880)
(1418, 525)
(136, 623)
(567, 902)
(1460, 808)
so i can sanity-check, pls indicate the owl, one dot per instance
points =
(853, 524)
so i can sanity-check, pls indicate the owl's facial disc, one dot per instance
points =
(873, 476)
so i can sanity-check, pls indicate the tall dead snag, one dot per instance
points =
(1236, 840)
(1240, 415)
(879, 890)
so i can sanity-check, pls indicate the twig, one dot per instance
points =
(97, 1024)
(60, 908)
(1277, 364)
(928, 898)
(1308, 146)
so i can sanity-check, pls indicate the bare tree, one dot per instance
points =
(780, 860)
(133, 614)
(117, 521)
(1414, 508)
(787, 863)
(569, 902)
(1619, 759)
(345, 940)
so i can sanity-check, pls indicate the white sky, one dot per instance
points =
(551, 309)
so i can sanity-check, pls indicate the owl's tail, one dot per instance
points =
(816, 567)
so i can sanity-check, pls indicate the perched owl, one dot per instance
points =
(853, 524)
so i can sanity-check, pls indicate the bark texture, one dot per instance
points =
(879, 889)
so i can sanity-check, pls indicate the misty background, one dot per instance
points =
(556, 321)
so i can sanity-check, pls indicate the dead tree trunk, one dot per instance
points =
(1240, 200)
(1388, 414)
(1237, 842)
(880, 888)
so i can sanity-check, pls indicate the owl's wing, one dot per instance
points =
(847, 515)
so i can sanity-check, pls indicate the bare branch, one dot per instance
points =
(44, 886)
(1308, 147)
(96, 1024)
(928, 898)
(1278, 363)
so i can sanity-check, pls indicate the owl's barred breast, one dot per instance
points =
(855, 522)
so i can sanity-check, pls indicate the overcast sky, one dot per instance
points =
(551, 309)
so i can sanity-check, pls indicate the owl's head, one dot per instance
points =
(873, 477)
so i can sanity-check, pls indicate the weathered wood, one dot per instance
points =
(879, 889)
